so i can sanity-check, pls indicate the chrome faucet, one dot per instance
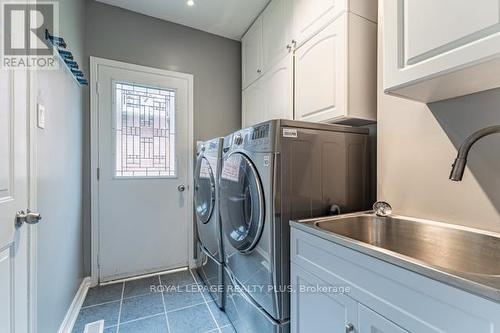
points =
(458, 168)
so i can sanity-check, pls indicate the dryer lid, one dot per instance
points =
(241, 202)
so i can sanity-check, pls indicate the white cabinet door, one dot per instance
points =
(320, 74)
(275, 32)
(427, 41)
(310, 16)
(271, 96)
(277, 90)
(252, 105)
(251, 53)
(317, 309)
(14, 163)
(370, 322)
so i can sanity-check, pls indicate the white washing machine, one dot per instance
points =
(206, 202)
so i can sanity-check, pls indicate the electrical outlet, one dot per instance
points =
(41, 116)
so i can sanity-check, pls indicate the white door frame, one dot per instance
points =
(95, 62)
(32, 200)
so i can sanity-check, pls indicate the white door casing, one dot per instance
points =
(14, 176)
(140, 224)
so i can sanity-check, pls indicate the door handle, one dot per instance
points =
(181, 188)
(349, 328)
(28, 217)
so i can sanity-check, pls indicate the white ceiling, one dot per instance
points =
(227, 18)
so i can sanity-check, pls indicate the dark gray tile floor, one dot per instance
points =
(169, 303)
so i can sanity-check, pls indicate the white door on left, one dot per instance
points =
(13, 198)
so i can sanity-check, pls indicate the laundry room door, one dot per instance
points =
(144, 151)
(14, 159)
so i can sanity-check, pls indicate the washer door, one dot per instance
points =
(204, 190)
(241, 202)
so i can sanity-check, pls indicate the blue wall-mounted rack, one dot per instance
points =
(67, 58)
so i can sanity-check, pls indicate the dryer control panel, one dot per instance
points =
(260, 133)
(256, 139)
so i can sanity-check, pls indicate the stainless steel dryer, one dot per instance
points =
(271, 173)
(206, 201)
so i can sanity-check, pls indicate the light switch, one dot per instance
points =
(41, 116)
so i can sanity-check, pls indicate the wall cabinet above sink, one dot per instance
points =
(435, 50)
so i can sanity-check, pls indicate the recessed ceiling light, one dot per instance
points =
(190, 3)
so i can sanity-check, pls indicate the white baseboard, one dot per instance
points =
(74, 308)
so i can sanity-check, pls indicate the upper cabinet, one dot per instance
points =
(434, 50)
(320, 74)
(270, 97)
(251, 53)
(252, 105)
(335, 73)
(311, 16)
(312, 60)
(275, 32)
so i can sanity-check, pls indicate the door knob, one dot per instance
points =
(349, 328)
(181, 188)
(28, 217)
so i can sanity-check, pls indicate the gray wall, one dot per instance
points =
(417, 144)
(215, 62)
(59, 192)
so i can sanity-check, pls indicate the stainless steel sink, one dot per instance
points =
(451, 249)
(466, 259)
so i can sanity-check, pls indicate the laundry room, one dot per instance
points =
(236, 166)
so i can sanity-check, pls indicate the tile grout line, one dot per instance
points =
(142, 318)
(164, 307)
(186, 307)
(212, 331)
(118, 300)
(166, 311)
(206, 303)
(120, 310)
(144, 276)
(99, 304)
(219, 329)
(205, 300)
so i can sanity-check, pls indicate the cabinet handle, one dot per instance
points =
(294, 43)
(349, 328)
(259, 71)
(289, 47)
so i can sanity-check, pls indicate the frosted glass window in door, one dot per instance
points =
(145, 131)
